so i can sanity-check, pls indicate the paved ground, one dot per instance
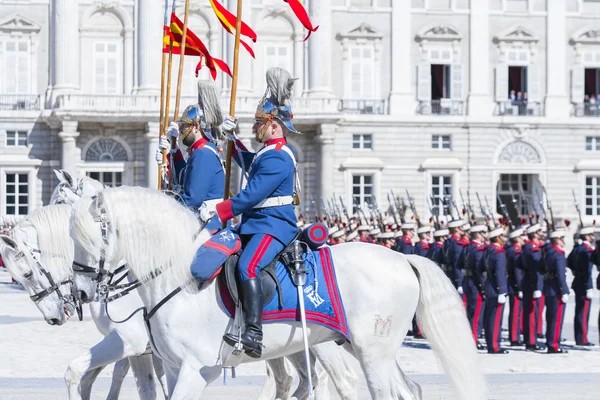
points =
(34, 356)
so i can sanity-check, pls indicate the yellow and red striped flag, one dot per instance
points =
(228, 21)
(302, 15)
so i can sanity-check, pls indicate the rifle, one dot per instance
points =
(359, 211)
(413, 208)
(314, 206)
(471, 205)
(378, 215)
(466, 207)
(451, 201)
(392, 209)
(577, 208)
(530, 215)
(514, 202)
(482, 208)
(432, 211)
(325, 211)
(345, 210)
(400, 207)
(549, 207)
(504, 212)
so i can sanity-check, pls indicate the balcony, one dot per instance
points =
(519, 108)
(586, 110)
(441, 107)
(20, 102)
(373, 107)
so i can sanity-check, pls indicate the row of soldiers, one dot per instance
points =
(497, 265)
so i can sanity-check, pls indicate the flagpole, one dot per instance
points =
(236, 59)
(168, 98)
(180, 77)
(163, 69)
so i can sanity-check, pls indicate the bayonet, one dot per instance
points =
(413, 208)
(577, 208)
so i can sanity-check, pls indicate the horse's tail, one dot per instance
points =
(441, 317)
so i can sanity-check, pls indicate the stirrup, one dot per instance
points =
(235, 342)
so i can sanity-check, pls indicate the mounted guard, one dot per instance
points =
(200, 178)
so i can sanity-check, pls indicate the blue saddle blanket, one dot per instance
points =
(211, 256)
(322, 299)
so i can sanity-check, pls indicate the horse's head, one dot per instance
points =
(95, 255)
(69, 190)
(24, 260)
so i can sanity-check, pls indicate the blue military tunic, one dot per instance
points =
(265, 231)
(495, 285)
(582, 264)
(404, 245)
(436, 254)
(202, 177)
(555, 286)
(422, 248)
(453, 248)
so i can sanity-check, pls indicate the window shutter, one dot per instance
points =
(457, 82)
(424, 82)
(112, 84)
(355, 75)
(10, 67)
(533, 84)
(501, 82)
(577, 84)
(367, 74)
(99, 68)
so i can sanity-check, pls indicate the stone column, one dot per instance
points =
(151, 137)
(480, 102)
(65, 21)
(71, 155)
(319, 50)
(149, 35)
(557, 101)
(128, 62)
(402, 99)
(326, 140)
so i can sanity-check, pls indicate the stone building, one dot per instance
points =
(412, 94)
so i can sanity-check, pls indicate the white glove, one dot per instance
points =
(232, 137)
(164, 143)
(173, 130)
(229, 124)
(159, 157)
(589, 293)
(520, 295)
(502, 298)
(564, 298)
(537, 294)
(460, 290)
(207, 211)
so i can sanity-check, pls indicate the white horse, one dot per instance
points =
(278, 383)
(376, 284)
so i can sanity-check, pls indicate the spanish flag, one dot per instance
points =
(193, 47)
(302, 15)
(228, 21)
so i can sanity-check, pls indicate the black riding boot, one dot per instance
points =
(252, 302)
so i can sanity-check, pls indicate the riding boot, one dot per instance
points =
(252, 302)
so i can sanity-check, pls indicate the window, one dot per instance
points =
(278, 56)
(16, 138)
(440, 142)
(592, 195)
(17, 66)
(362, 191)
(592, 143)
(362, 72)
(111, 179)
(441, 187)
(519, 188)
(17, 194)
(106, 57)
(363, 142)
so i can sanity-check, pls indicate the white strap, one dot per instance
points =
(275, 202)
(273, 146)
(212, 202)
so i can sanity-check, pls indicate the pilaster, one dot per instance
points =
(326, 140)
(66, 45)
(150, 23)
(479, 101)
(319, 50)
(401, 100)
(557, 102)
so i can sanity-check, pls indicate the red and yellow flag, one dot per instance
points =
(302, 15)
(228, 21)
(193, 47)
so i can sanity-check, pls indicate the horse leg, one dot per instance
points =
(120, 371)
(298, 360)
(335, 362)
(278, 382)
(171, 374)
(143, 372)
(87, 380)
(193, 379)
(109, 350)
(160, 374)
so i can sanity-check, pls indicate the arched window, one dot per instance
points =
(107, 161)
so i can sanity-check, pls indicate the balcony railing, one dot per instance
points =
(519, 108)
(363, 106)
(19, 102)
(586, 110)
(441, 107)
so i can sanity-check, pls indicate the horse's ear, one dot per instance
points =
(64, 177)
(8, 241)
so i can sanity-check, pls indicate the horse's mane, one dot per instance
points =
(56, 248)
(77, 184)
(154, 232)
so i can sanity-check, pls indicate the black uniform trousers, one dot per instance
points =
(555, 315)
(514, 318)
(582, 317)
(530, 307)
(493, 323)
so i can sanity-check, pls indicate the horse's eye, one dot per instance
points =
(28, 275)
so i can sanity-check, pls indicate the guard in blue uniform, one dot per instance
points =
(532, 284)
(495, 290)
(423, 245)
(474, 280)
(404, 244)
(514, 268)
(453, 247)
(583, 259)
(201, 178)
(436, 251)
(267, 202)
(556, 290)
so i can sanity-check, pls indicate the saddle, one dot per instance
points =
(268, 276)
